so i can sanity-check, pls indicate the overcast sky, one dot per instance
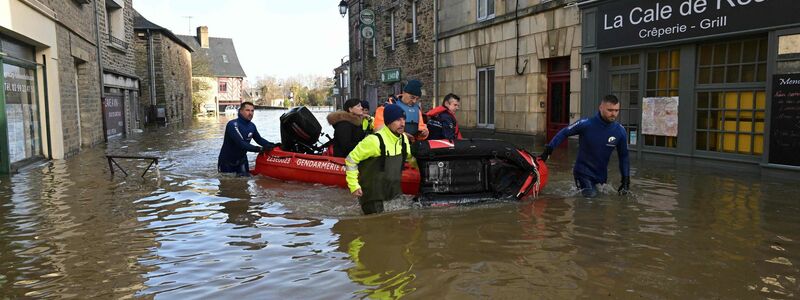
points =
(280, 38)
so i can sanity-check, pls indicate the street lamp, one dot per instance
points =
(343, 8)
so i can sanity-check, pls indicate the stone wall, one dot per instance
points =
(413, 58)
(173, 76)
(115, 58)
(79, 81)
(547, 32)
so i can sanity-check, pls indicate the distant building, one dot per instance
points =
(164, 63)
(215, 63)
(341, 86)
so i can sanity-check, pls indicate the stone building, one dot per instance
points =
(216, 64)
(402, 49)
(164, 63)
(341, 86)
(515, 64)
(120, 93)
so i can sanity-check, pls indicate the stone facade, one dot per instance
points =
(172, 64)
(81, 111)
(118, 60)
(547, 30)
(412, 56)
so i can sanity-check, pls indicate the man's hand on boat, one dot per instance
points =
(268, 148)
(358, 193)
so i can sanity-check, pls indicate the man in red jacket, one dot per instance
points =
(442, 122)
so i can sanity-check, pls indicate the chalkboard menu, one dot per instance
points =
(115, 122)
(784, 141)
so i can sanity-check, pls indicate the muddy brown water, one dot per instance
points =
(68, 229)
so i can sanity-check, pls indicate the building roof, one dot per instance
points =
(219, 50)
(141, 23)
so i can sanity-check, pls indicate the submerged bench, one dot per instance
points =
(112, 162)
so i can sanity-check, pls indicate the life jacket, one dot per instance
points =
(412, 117)
(435, 123)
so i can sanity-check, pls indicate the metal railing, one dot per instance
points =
(117, 41)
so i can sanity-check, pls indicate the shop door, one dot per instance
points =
(557, 95)
(20, 110)
(113, 108)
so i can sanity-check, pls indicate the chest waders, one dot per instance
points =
(380, 178)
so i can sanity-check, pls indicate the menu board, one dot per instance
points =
(784, 140)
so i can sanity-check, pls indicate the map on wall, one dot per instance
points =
(660, 116)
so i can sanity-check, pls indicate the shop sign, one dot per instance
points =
(784, 139)
(390, 75)
(634, 22)
(115, 119)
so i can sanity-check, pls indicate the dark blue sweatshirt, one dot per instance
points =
(238, 134)
(597, 139)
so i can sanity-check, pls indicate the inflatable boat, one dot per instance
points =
(450, 172)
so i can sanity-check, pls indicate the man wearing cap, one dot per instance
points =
(415, 126)
(375, 166)
(368, 121)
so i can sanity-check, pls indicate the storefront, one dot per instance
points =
(20, 128)
(716, 79)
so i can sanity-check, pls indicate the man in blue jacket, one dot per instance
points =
(238, 134)
(598, 137)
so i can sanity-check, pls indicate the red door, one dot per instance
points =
(557, 95)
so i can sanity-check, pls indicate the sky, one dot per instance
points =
(279, 38)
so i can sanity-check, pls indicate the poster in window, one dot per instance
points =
(660, 116)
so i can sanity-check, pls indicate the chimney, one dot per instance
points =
(202, 36)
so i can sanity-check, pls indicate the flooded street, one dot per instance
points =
(69, 229)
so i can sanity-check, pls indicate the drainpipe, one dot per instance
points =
(435, 52)
(151, 68)
(47, 108)
(516, 19)
(100, 71)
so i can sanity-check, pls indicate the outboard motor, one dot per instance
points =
(300, 131)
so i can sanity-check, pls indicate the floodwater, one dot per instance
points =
(69, 229)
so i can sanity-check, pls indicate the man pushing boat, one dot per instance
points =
(238, 134)
(374, 168)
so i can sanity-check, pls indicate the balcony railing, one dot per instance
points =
(114, 40)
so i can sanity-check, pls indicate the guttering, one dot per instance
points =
(100, 72)
(151, 68)
(47, 108)
(435, 52)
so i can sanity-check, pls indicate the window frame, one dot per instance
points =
(485, 96)
(222, 87)
(487, 15)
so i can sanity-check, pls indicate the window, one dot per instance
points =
(223, 87)
(486, 97)
(731, 97)
(743, 61)
(414, 21)
(625, 85)
(225, 58)
(485, 9)
(115, 22)
(663, 76)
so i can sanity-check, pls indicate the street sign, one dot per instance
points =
(367, 32)
(367, 16)
(390, 75)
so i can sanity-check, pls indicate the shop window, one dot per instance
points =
(625, 60)
(485, 9)
(486, 97)
(662, 79)
(731, 121)
(740, 61)
(625, 85)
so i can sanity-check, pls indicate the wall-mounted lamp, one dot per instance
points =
(343, 8)
(587, 67)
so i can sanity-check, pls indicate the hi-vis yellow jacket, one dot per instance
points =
(368, 148)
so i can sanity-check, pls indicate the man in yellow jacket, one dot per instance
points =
(375, 166)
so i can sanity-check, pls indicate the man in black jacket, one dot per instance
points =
(347, 127)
